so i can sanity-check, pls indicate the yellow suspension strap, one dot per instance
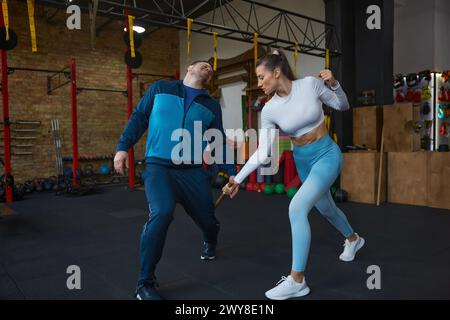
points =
(335, 137)
(327, 122)
(255, 46)
(130, 30)
(327, 66)
(5, 17)
(295, 58)
(189, 25)
(30, 4)
(215, 50)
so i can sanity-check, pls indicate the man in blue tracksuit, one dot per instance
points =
(165, 108)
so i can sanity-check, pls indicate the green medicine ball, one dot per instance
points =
(269, 189)
(291, 192)
(279, 188)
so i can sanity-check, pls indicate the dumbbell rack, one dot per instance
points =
(92, 157)
(87, 171)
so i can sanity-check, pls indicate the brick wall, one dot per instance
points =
(101, 116)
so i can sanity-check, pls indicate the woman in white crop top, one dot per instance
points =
(296, 108)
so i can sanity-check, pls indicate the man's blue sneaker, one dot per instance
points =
(208, 251)
(147, 292)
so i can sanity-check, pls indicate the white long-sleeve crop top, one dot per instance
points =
(295, 114)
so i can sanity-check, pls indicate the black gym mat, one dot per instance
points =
(100, 233)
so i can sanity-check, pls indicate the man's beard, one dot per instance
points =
(203, 80)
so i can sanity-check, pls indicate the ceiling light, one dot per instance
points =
(138, 29)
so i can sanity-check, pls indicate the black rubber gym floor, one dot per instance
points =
(100, 233)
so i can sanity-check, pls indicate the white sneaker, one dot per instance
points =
(350, 248)
(288, 288)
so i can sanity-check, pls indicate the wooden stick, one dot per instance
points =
(222, 196)
(380, 169)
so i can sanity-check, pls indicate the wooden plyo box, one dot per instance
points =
(408, 178)
(411, 178)
(397, 137)
(439, 180)
(367, 125)
(359, 176)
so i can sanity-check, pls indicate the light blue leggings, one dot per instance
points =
(318, 165)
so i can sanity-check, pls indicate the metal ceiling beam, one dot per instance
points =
(268, 32)
(287, 12)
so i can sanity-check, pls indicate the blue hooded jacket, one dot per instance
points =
(161, 111)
